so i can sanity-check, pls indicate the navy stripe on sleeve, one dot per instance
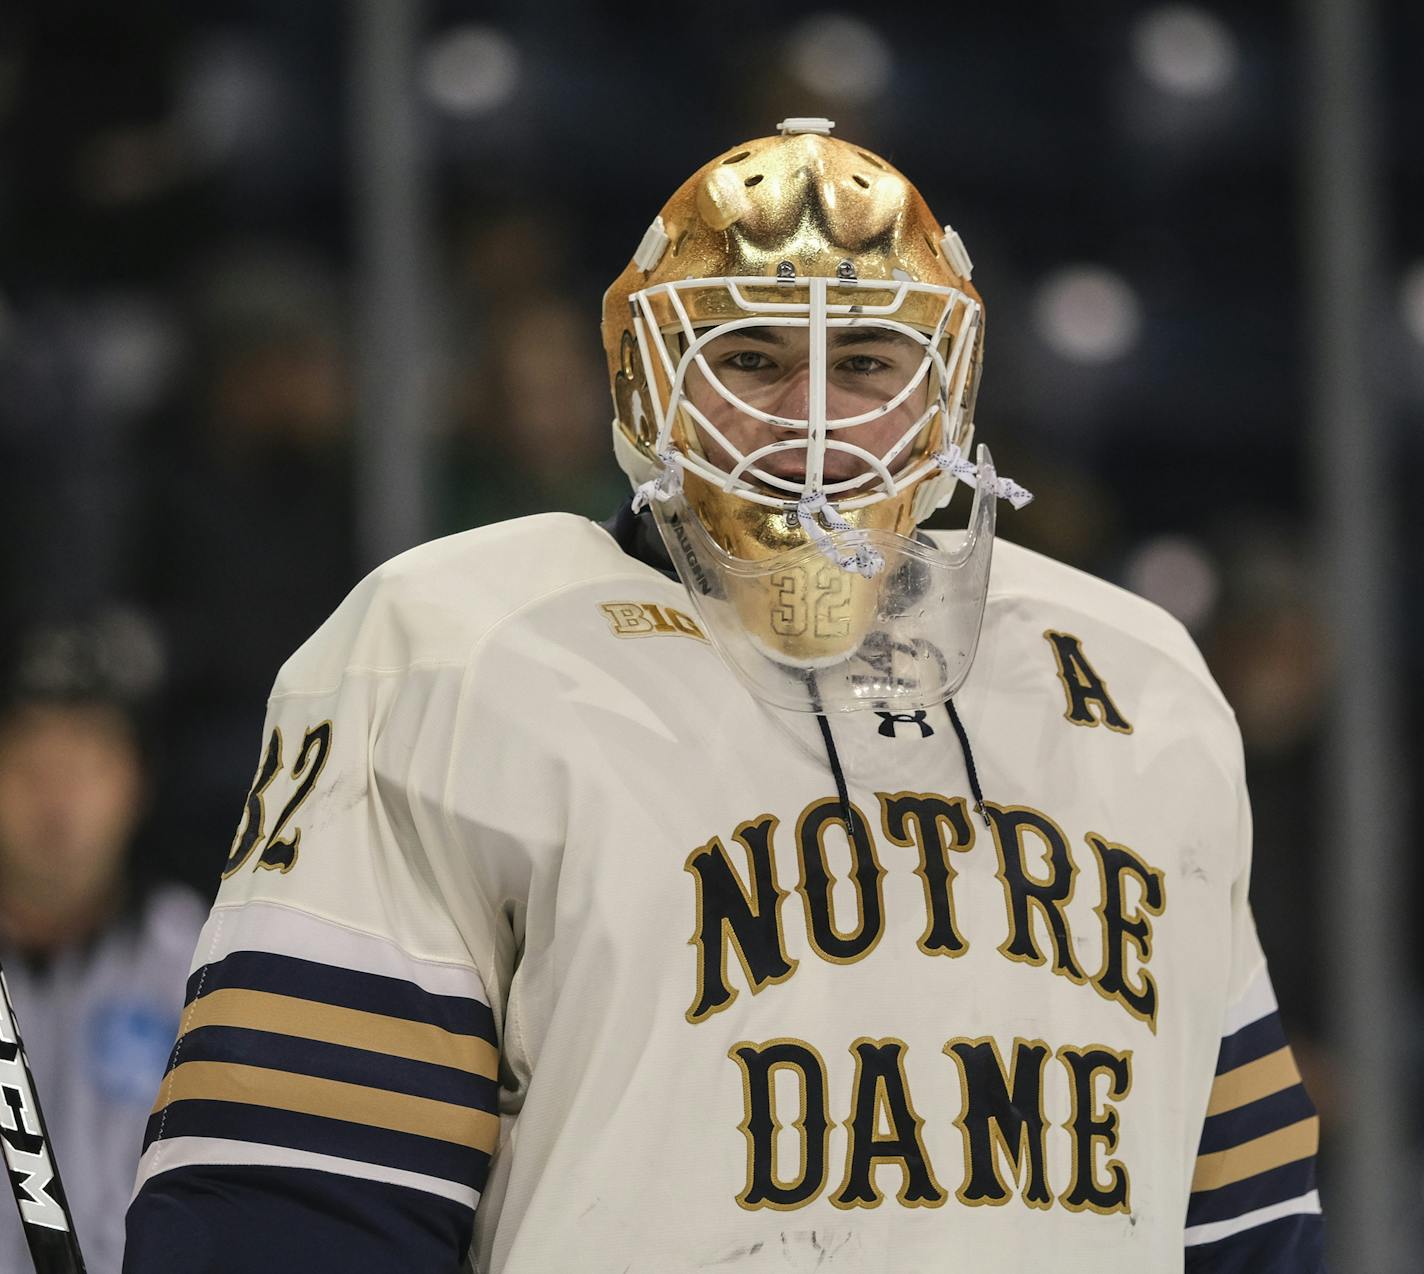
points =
(1289, 1181)
(1255, 1119)
(345, 988)
(1255, 1039)
(247, 1047)
(238, 1121)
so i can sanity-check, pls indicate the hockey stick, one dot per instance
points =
(44, 1211)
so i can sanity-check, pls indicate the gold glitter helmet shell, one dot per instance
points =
(811, 583)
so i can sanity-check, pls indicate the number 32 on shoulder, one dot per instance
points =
(280, 847)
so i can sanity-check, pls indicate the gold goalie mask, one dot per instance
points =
(795, 351)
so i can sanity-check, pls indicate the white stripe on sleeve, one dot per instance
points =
(1214, 1230)
(198, 1152)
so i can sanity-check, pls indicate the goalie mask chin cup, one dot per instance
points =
(794, 352)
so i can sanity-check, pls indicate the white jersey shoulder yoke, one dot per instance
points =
(434, 603)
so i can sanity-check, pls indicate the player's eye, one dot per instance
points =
(863, 364)
(747, 360)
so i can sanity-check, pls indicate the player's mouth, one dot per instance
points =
(790, 465)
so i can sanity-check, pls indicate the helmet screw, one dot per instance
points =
(846, 270)
(785, 270)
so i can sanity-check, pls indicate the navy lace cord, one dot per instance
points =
(834, 760)
(964, 747)
(836, 772)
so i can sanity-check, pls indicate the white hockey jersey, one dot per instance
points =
(537, 921)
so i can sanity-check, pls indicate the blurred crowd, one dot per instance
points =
(177, 391)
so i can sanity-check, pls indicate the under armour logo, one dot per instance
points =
(889, 720)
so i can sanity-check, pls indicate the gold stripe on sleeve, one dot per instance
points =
(331, 1024)
(334, 1099)
(1261, 1078)
(1251, 1158)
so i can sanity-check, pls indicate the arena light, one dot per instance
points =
(132, 353)
(1411, 301)
(1185, 51)
(1177, 574)
(471, 70)
(231, 100)
(840, 57)
(1087, 314)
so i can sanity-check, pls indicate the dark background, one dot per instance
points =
(178, 366)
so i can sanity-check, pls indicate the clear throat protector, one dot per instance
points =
(807, 634)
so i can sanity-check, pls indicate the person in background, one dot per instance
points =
(95, 959)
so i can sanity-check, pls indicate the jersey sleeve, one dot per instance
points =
(330, 1102)
(1254, 1207)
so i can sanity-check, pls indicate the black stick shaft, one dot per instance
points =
(33, 1176)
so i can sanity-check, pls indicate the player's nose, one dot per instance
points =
(791, 396)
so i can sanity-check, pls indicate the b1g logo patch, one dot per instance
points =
(1088, 700)
(644, 619)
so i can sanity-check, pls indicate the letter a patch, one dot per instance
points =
(1088, 700)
